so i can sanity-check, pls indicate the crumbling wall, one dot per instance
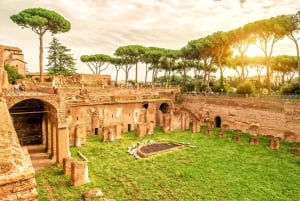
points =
(276, 117)
(17, 176)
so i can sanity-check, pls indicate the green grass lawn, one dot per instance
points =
(212, 169)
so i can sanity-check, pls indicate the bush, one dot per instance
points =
(292, 88)
(245, 88)
(12, 73)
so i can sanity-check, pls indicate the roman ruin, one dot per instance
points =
(86, 105)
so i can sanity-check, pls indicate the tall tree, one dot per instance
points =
(60, 62)
(132, 53)
(284, 65)
(292, 26)
(221, 48)
(96, 62)
(267, 32)
(168, 62)
(240, 40)
(118, 63)
(129, 61)
(146, 58)
(41, 20)
(155, 54)
(202, 49)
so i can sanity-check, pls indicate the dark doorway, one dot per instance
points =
(27, 118)
(164, 108)
(96, 131)
(145, 105)
(129, 127)
(218, 122)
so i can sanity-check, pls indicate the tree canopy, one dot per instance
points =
(41, 20)
(60, 61)
(96, 62)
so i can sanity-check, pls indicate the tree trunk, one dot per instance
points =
(136, 73)
(146, 74)
(41, 58)
(117, 73)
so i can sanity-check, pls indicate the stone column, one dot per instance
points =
(53, 141)
(67, 165)
(49, 134)
(118, 131)
(62, 142)
(45, 130)
(78, 173)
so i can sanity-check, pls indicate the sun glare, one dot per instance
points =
(254, 51)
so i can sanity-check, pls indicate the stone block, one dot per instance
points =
(142, 129)
(78, 172)
(67, 165)
(274, 143)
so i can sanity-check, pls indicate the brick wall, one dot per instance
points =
(17, 180)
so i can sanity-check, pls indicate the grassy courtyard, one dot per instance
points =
(211, 169)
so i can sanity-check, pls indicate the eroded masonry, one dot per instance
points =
(86, 105)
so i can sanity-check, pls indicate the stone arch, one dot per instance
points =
(218, 122)
(34, 120)
(164, 108)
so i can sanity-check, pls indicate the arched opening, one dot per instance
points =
(145, 105)
(218, 122)
(27, 117)
(164, 108)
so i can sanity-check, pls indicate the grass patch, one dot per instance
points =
(215, 169)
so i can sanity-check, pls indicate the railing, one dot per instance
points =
(28, 91)
(256, 96)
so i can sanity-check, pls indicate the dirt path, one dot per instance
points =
(39, 158)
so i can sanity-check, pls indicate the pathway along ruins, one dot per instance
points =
(39, 158)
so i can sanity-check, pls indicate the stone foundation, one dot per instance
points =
(78, 172)
(144, 129)
(17, 176)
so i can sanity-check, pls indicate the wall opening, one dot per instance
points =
(27, 117)
(164, 108)
(145, 105)
(218, 122)
(96, 131)
(129, 127)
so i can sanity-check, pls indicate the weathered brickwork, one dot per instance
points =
(279, 118)
(17, 180)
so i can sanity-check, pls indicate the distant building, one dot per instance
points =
(14, 57)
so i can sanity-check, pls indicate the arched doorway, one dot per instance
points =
(218, 122)
(28, 117)
(164, 108)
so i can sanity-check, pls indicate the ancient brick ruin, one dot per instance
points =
(87, 105)
(17, 176)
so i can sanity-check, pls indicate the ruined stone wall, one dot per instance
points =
(17, 180)
(92, 117)
(275, 117)
(15, 57)
(98, 94)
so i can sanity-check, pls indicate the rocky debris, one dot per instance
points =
(91, 194)
(105, 199)
(236, 138)
(295, 151)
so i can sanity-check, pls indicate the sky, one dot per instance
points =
(101, 26)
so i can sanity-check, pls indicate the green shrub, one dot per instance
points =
(292, 88)
(12, 73)
(245, 88)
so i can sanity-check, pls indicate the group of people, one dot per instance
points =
(19, 87)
